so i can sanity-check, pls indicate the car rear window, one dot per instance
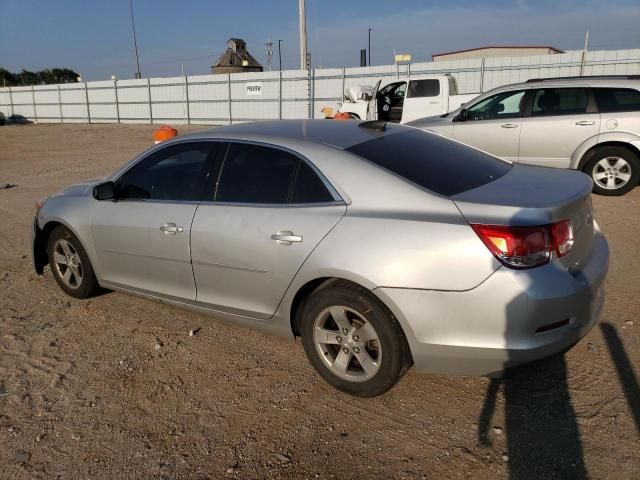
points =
(617, 99)
(432, 162)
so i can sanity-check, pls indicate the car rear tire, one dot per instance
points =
(352, 340)
(70, 264)
(614, 170)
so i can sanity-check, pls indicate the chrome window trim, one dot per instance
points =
(338, 200)
(275, 205)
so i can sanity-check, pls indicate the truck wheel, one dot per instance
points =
(614, 170)
(352, 340)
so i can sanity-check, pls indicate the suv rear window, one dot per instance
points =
(432, 162)
(617, 99)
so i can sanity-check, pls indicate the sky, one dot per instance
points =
(94, 37)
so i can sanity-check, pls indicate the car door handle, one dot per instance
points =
(286, 237)
(171, 229)
(583, 123)
(509, 125)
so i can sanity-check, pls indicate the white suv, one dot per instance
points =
(586, 123)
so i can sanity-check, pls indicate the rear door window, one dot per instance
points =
(256, 174)
(612, 100)
(423, 88)
(431, 161)
(263, 175)
(308, 187)
(560, 101)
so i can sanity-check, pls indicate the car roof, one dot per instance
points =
(340, 134)
(576, 81)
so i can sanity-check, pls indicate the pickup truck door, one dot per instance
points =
(372, 110)
(424, 98)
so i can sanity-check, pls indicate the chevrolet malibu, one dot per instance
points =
(381, 246)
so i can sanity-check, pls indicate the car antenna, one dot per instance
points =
(379, 125)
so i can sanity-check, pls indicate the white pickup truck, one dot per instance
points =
(404, 99)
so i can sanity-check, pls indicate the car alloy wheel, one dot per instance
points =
(67, 263)
(611, 173)
(347, 343)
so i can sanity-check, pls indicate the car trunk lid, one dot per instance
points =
(530, 196)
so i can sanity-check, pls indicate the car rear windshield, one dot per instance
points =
(431, 161)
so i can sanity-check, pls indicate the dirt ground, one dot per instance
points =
(84, 393)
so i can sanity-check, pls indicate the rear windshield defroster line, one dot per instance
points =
(432, 161)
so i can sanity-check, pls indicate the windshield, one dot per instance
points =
(431, 161)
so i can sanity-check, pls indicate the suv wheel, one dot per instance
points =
(351, 339)
(70, 264)
(614, 170)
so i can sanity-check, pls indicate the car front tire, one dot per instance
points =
(352, 340)
(70, 264)
(614, 170)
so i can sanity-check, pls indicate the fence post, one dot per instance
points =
(60, 105)
(186, 99)
(313, 93)
(11, 103)
(280, 95)
(343, 84)
(150, 103)
(115, 92)
(86, 99)
(482, 75)
(582, 62)
(229, 96)
(308, 85)
(33, 100)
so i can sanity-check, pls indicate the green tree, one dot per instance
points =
(7, 78)
(46, 76)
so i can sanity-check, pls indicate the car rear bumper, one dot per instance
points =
(514, 317)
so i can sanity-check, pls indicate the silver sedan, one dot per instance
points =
(381, 246)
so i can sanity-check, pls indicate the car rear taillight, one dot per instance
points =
(563, 237)
(526, 247)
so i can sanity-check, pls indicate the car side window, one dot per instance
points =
(265, 175)
(174, 173)
(559, 101)
(612, 100)
(498, 106)
(256, 174)
(423, 88)
(308, 187)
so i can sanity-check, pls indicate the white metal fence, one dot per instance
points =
(224, 99)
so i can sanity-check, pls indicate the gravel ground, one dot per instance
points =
(85, 392)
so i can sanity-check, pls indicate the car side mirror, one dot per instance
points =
(105, 191)
(462, 115)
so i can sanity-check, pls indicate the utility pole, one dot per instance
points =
(584, 53)
(303, 34)
(280, 54)
(370, 46)
(269, 46)
(135, 40)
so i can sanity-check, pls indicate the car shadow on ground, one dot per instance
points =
(624, 369)
(543, 440)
